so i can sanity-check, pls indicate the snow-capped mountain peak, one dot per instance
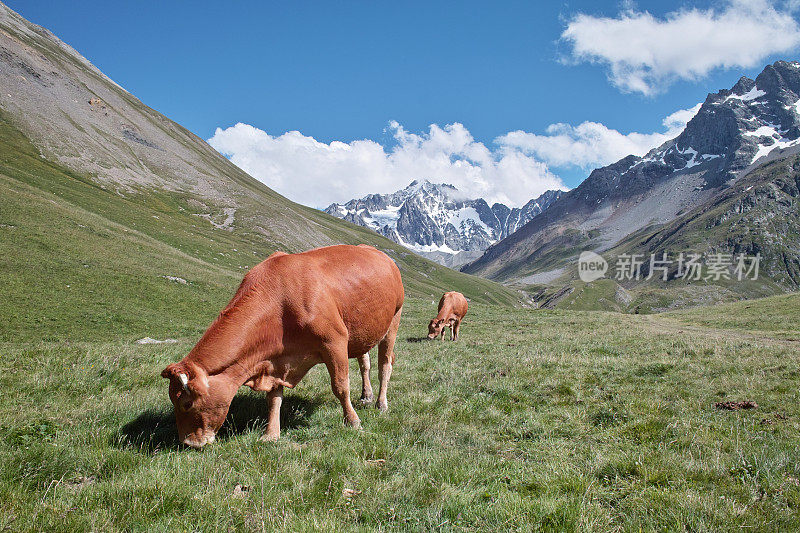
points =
(436, 217)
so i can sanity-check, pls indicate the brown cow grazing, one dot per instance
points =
(290, 313)
(452, 308)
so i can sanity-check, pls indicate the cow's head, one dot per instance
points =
(200, 407)
(435, 327)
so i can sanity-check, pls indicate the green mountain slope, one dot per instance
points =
(78, 260)
(103, 199)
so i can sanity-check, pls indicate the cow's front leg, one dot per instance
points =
(366, 387)
(339, 369)
(456, 328)
(273, 432)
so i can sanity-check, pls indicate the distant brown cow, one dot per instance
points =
(290, 313)
(452, 308)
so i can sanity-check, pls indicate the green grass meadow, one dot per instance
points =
(533, 421)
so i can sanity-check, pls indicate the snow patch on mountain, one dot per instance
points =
(468, 220)
(381, 217)
(773, 140)
(752, 94)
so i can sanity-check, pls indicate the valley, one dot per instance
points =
(617, 404)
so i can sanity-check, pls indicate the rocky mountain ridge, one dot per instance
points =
(735, 131)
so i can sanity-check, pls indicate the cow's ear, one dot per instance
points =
(179, 372)
(172, 371)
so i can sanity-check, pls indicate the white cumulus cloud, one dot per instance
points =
(591, 144)
(515, 169)
(645, 53)
(315, 173)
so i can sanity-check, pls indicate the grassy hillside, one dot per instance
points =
(75, 253)
(534, 420)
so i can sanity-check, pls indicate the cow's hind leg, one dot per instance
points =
(366, 387)
(339, 368)
(456, 328)
(386, 360)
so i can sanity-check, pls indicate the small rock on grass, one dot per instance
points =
(148, 340)
(81, 482)
(240, 491)
(769, 421)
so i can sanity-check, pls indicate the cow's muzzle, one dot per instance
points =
(197, 443)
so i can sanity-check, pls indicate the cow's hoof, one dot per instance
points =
(355, 424)
(269, 437)
(366, 400)
(382, 407)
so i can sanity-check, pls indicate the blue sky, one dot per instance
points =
(343, 71)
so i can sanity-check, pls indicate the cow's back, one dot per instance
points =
(357, 285)
(461, 304)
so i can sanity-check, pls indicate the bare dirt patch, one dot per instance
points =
(736, 406)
